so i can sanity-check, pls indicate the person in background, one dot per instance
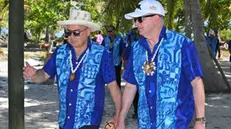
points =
(65, 37)
(218, 50)
(211, 42)
(132, 36)
(229, 44)
(115, 45)
(82, 68)
(99, 37)
(164, 67)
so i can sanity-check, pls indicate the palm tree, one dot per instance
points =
(213, 81)
(188, 18)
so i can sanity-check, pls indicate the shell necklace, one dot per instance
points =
(72, 76)
(150, 67)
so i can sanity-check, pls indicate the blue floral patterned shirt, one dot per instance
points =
(190, 70)
(105, 75)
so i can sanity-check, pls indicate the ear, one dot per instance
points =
(89, 31)
(157, 19)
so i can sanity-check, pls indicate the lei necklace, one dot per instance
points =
(150, 67)
(72, 76)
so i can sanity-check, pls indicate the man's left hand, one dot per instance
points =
(114, 121)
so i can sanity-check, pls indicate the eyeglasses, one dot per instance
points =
(109, 31)
(140, 19)
(74, 32)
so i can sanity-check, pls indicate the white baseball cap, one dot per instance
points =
(211, 32)
(146, 7)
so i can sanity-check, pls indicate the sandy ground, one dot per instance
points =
(41, 106)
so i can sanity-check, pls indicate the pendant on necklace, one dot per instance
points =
(72, 76)
(149, 68)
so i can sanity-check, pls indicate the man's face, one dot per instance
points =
(146, 24)
(110, 31)
(77, 35)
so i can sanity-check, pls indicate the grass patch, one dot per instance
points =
(39, 54)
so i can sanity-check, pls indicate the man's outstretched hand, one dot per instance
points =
(29, 71)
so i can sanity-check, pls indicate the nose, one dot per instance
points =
(137, 23)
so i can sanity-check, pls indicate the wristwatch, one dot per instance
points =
(201, 119)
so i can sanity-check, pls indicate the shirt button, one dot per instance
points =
(69, 104)
(151, 107)
(71, 90)
(68, 117)
(150, 91)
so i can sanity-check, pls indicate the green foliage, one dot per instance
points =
(42, 14)
(4, 7)
(94, 8)
(225, 34)
(174, 17)
(114, 11)
(217, 13)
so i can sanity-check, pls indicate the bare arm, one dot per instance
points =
(128, 97)
(116, 97)
(199, 97)
(40, 76)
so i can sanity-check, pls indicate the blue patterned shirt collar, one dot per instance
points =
(144, 42)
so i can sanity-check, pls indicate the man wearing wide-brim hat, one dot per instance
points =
(82, 69)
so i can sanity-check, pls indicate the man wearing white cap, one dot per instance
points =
(164, 67)
(211, 42)
(82, 69)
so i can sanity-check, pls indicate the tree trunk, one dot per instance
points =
(47, 35)
(170, 14)
(188, 19)
(212, 78)
(15, 64)
(118, 20)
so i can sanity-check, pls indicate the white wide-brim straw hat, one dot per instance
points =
(79, 17)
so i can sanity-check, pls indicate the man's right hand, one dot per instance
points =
(29, 71)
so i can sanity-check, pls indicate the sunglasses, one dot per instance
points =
(74, 32)
(140, 19)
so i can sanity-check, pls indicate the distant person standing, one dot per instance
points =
(99, 37)
(132, 36)
(65, 37)
(229, 44)
(211, 42)
(115, 45)
(218, 50)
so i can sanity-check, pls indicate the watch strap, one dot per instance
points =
(201, 119)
